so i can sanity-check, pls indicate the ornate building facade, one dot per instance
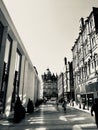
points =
(49, 85)
(85, 60)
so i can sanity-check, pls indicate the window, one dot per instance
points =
(91, 23)
(93, 41)
(5, 71)
(15, 92)
(92, 65)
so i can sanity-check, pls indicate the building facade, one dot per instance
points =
(68, 80)
(60, 86)
(18, 76)
(65, 83)
(85, 60)
(49, 85)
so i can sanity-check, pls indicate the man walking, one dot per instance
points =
(94, 109)
(64, 105)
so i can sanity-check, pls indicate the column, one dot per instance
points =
(22, 73)
(25, 82)
(2, 52)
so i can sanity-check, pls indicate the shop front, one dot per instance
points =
(85, 94)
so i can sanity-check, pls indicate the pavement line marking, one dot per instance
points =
(62, 118)
(77, 118)
(76, 127)
(88, 125)
(71, 116)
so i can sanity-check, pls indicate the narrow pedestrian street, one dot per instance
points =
(51, 117)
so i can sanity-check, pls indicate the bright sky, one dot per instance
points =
(49, 28)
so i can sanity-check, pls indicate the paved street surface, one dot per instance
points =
(49, 117)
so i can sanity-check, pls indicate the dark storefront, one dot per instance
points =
(86, 94)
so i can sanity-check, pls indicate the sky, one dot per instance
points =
(48, 29)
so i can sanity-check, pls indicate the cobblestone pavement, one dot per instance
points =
(50, 117)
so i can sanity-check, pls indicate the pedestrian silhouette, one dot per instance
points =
(19, 111)
(57, 103)
(30, 106)
(94, 109)
(64, 105)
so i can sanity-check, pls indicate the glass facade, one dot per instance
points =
(5, 72)
(16, 79)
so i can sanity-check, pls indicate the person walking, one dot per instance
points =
(64, 105)
(57, 103)
(19, 111)
(94, 109)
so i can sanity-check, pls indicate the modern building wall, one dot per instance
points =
(36, 90)
(33, 85)
(17, 73)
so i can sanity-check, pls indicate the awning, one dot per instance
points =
(93, 87)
